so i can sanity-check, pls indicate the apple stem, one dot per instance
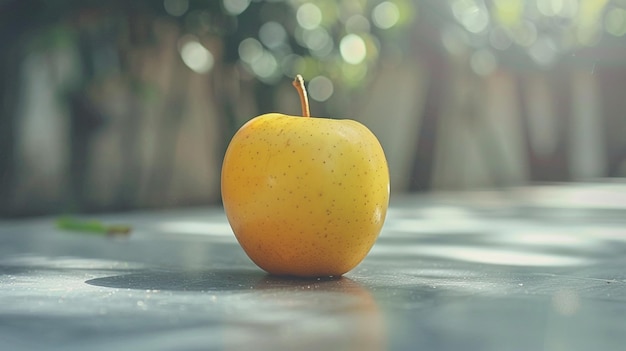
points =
(298, 83)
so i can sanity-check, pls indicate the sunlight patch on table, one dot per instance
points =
(494, 256)
(196, 228)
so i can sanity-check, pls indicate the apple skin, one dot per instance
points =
(305, 196)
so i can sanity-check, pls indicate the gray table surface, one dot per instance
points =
(541, 268)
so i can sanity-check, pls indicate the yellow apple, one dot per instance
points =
(305, 196)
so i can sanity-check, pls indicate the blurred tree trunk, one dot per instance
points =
(613, 102)
(552, 164)
(423, 165)
(12, 35)
(10, 58)
(427, 45)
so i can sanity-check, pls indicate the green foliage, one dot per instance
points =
(93, 227)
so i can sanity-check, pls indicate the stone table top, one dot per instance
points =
(534, 268)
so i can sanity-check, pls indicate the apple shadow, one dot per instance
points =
(340, 298)
(183, 280)
(212, 280)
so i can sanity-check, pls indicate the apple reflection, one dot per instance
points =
(305, 314)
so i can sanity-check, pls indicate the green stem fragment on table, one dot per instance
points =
(92, 227)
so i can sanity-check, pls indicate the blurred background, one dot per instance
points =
(120, 105)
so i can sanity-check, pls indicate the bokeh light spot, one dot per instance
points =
(569, 8)
(309, 16)
(288, 65)
(196, 56)
(563, 8)
(483, 62)
(454, 40)
(525, 34)
(265, 66)
(236, 7)
(352, 49)
(318, 41)
(543, 51)
(176, 8)
(615, 22)
(474, 18)
(250, 50)
(385, 15)
(320, 88)
(507, 12)
(546, 7)
(353, 74)
(272, 34)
